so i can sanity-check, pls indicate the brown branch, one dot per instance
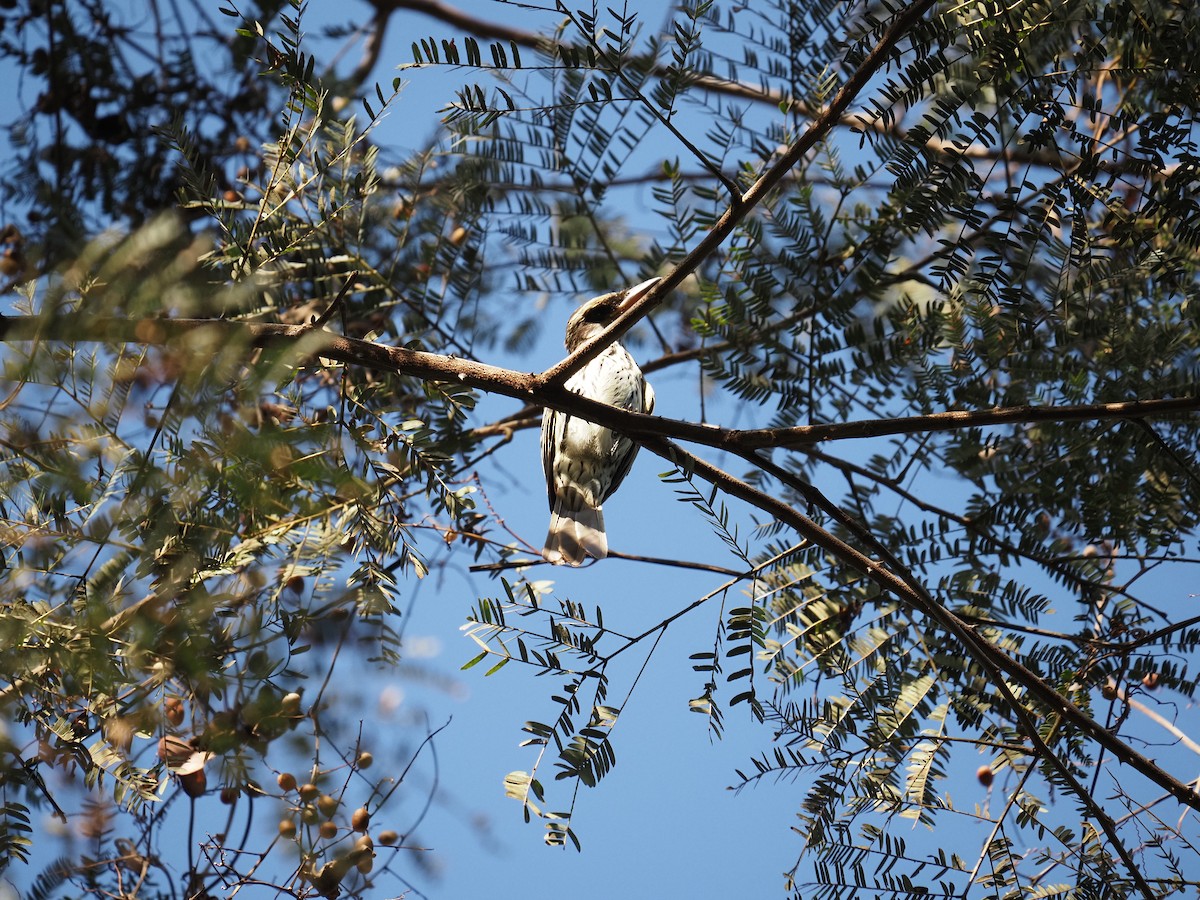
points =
(953, 420)
(612, 554)
(311, 342)
(715, 84)
(988, 654)
(1154, 636)
(452, 15)
(801, 436)
(372, 47)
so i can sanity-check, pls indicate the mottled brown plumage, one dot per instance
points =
(585, 462)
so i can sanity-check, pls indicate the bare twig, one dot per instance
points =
(320, 320)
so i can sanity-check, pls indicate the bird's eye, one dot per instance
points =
(600, 314)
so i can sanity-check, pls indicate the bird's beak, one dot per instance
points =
(636, 293)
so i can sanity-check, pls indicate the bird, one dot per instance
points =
(585, 462)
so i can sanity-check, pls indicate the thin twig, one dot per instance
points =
(320, 320)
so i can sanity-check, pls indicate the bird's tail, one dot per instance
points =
(575, 533)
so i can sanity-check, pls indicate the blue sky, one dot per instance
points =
(664, 822)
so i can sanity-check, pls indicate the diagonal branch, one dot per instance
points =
(986, 654)
(916, 596)
(756, 194)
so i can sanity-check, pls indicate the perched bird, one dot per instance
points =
(585, 462)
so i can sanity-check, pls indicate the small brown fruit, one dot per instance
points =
(364, 760)
(287, 829)
(1109, 692)
(173, 709)
(173, 751)
(985, 775)
(328, 830)
(11, 263)
(287, 781)
(327, 805)
(308, 792)
(388, 838)
(194, 784)
(361, 819)
(229, 795)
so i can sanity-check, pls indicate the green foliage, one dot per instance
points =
(196, 525)
(983, 255)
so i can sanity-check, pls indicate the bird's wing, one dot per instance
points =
(624, 450)
(553, 425)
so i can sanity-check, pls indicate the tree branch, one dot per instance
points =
(741, 207)
(715, 84)
(915, 595)
(952, 420)
(313, 342)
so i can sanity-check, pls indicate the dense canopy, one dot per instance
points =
(926, 345)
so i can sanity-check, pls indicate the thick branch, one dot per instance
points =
(312, 342)
(952, 420)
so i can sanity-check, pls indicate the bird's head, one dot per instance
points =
(600, 312)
